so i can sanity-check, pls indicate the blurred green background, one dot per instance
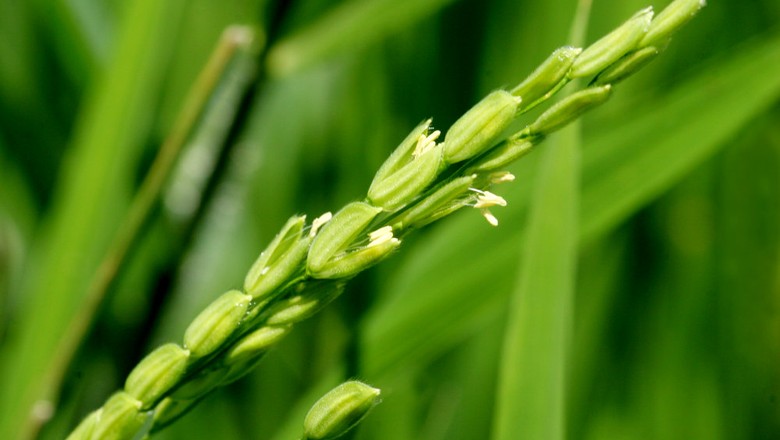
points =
(675, 324)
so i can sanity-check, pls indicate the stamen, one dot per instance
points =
(380, 232)
(489, 217)
(318, 222)
(381, 236)
(425, 143)
(486, 199)
(502, 177)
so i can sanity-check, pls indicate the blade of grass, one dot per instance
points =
(349, 26)
(623, 170)
(92, 195)
(531, 388)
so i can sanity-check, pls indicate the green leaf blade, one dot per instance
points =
(531, 385)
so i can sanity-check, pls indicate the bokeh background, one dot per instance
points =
(675, 318)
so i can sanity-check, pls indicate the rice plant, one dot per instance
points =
(629, 290)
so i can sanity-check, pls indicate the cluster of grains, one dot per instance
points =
(306, 265)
